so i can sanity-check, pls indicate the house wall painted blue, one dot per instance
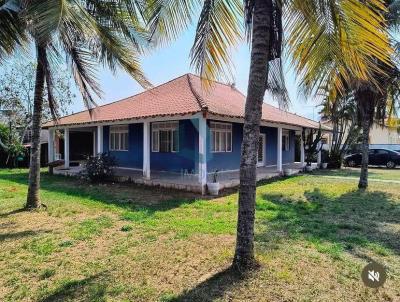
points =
(133, 158)
(271, 141)
(288, 156)
(231, 160)
(225, 160)
(187, 156)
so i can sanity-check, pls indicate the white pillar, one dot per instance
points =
(302, 153)
(50, 145)
(99, 139)
(146, 150)
(94, 142)
(319, 156)
(203, 154)
(279, 150)
(66, 147)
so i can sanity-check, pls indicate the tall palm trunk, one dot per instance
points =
(363, 182)
(365, 100)
(33, 200)
(244, 254)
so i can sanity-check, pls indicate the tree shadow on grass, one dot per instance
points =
(22, 234)
(127, 196)
(215, 287)
(5, 215)
(93, 288)
(334, 224)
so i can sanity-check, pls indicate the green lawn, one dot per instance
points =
(128, 243)
(374, 173)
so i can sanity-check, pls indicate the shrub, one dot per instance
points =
(99, 168)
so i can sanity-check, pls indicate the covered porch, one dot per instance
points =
(184, 181)
(272, 161)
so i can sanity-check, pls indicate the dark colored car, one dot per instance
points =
(377, 157)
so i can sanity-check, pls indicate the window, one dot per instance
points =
(119, 138)
(165, 137)
(381, 152)
(285, 140)
(221, 137)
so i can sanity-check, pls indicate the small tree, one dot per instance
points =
(342, 113)
(10, 146)
(312, 146)
(17, 82)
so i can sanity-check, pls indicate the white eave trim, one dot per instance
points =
(130, 121)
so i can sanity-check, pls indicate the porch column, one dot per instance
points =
(203, 154)
(279, 151)
(146, 150)
(66, 147)
(94, 142)
(302, 153)
(99, 139)
(50, 145)
(319, 156)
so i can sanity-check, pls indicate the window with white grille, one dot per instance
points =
(165, 137)
(221, 137)
(119, 138)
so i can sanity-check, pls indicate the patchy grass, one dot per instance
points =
(116, 242)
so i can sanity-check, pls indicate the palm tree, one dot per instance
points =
(354, 31)
(372, 96)
(84, 33)
(375, 104)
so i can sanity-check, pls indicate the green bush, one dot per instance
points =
(100, 168)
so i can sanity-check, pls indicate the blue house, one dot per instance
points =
(178, 134)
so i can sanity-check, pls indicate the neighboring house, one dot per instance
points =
(44, 138)
(379, 137)
(179, 128)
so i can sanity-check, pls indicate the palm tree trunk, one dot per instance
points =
(365, 102)
(33, 200)
(244, 254)
(366, 125)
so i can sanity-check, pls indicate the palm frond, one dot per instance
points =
(121, 17)
(334, 42)
(168, 18)
(218, 30)
(12, 28)
(113, 49)
(276, 83)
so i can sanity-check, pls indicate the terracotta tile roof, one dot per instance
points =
(181, 96)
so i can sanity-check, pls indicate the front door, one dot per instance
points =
(261, 150)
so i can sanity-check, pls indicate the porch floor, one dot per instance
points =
(183, 181)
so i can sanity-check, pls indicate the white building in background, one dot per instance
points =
(379, 137)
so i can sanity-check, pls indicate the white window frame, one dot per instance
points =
(172, 127)
(119, 131)
(286, 140)
(220, 130)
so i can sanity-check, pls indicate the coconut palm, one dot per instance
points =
(85, 33)
(353, 30)
(375, 98)
(378, 103)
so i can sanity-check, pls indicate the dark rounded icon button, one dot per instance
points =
(373, 275)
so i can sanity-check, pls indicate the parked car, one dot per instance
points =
(377, 157)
